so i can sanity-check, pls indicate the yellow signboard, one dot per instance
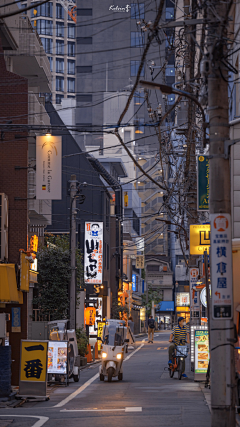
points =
(33, 366)
(99, 333)
(199, 238)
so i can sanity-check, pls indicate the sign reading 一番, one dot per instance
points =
(194, 295)
(199, 238)
(93, 253)
(203, 183)
(33, 368)
(49, 167)
(221, 266)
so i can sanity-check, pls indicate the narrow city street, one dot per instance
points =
(147, 396)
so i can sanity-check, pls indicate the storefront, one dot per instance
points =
(164, 311)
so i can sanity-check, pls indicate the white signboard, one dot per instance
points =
(93, 330)
(49, 167)
(93, 252)
(221, 266)
(57, 357)
(194, 295)
(182, 299)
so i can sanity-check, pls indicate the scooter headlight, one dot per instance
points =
(119, 356)
(104, 355)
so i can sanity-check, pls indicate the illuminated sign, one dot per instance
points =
(201, 351)
(134, 282)
(182, 299)
(49, 167)
(199, 238)
(194, 295)
(33, 246)
(57, 357)
(90, 315)
(93, 253)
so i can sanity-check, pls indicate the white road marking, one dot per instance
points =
(127, 409)
(130, 355)
(87, 383)
(39, 423)
(133, 409)
(77, 392)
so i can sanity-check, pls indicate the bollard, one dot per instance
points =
(96, 350)
(89, 355)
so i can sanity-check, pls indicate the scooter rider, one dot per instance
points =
(180, 335)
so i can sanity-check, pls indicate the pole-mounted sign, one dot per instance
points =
(221, 266)
(203, 183)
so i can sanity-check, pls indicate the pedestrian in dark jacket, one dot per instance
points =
(151, 327)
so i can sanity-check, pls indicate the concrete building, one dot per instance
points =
(24, 73)
(57, 31)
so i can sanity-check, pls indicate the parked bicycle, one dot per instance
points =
(179, 354)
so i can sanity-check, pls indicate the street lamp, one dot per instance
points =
(169, 90)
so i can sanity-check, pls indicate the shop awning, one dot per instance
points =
(166, 306)
(8, 285)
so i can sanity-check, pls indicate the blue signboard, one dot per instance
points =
(143, 289)
(16, 319)
(134, 282)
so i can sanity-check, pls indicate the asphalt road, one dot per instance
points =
(146, 397)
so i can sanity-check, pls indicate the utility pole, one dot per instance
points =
(72, 288)
(222, 328)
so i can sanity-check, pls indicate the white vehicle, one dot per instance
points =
(114, 345)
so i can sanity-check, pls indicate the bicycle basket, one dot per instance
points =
(181, 351)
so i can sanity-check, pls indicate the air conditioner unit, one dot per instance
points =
(3, 227)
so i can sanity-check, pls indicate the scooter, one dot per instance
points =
(113, 349)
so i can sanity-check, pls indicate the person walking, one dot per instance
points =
(151, 327)
(180, 335)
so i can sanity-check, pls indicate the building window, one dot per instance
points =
(59, 98)
(59, 11)
(50, 62)
(138, 98)
(153, 268)
(45, 26)
(60, 29)
(137, 10)
(59, 65)
(137, 39)
(60, 84)
(71, 85)
(139, 125)
(84, 40)
(71, 49)
(71, 31)
(71, 66)
(136, 223)
(134, 69)
(60, 47)
(84, 98)
(84, 12)
(84, 69)
(43, 10)
(47, 44)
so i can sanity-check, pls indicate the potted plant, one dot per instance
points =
(82, 343)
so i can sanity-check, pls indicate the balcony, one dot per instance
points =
(30, 59)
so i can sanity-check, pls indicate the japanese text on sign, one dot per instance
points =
(221, 262)
(34, 361)
(93, 257)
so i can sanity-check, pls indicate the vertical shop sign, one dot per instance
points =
(93, 254)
